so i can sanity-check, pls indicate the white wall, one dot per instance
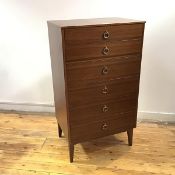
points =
(25, 72)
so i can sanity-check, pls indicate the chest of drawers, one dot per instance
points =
(96, 71)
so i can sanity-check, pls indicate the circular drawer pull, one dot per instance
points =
(105, 70)
(106, 35)
(105, 108)
(105, 50)
(104, 126)
(105, 90)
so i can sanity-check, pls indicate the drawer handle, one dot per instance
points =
(105, 90)
(105, 50)
(105, 70)
(105, 108)
(104, 126)
(106, 35)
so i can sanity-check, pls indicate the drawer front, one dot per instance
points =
(102, 128)
(114, 89)
(103, 33)
(101, 69)
(84, 34)
(93, 50)
(126, 31)
(104, 110)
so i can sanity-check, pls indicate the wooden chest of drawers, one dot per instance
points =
(96, 71)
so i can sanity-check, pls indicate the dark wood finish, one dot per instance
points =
(125, 31)
(71, 152)
(90, 34)
(130, 136)
(102, 91)
(96, 71)
(96, 129)
(95, 112)
(57, 63)
(89, 50)
(59, 131)
(84, 34)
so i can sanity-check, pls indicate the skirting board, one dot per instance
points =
(49, 108)
(156, 117)
(27, 107)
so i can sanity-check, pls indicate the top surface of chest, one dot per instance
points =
(94, 21)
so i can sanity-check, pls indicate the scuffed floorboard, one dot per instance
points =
(29, 145)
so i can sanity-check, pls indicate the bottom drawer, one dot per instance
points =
(103, 128)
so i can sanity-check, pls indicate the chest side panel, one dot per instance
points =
(57, 63)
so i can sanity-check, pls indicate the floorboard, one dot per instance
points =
(29, 145)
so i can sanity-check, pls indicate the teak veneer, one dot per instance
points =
(96, 70)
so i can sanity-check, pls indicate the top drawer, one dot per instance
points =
(103, 33)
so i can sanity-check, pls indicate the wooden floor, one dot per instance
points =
(29, 145)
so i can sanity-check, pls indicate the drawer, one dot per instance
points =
(103, 110)
(84, 34)
(114, 89)
(103, 128)
(101, 69)
(102, 33)
(94, 50)
(126, 31)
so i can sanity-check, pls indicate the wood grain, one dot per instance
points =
(93, 50)
(95, 112)
(29, 145)
(57, 63)
(109, 52)
(103, 91)
(91, 34)
(117, 67)
(95, 129)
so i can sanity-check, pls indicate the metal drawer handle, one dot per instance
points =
(104, 126)
(105, 108)
(105, 50)
(106, 35)
(105, 70)
(105, 90)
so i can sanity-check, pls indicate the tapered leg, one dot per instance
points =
(59, 131)
(130, 136)
(71, 152)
